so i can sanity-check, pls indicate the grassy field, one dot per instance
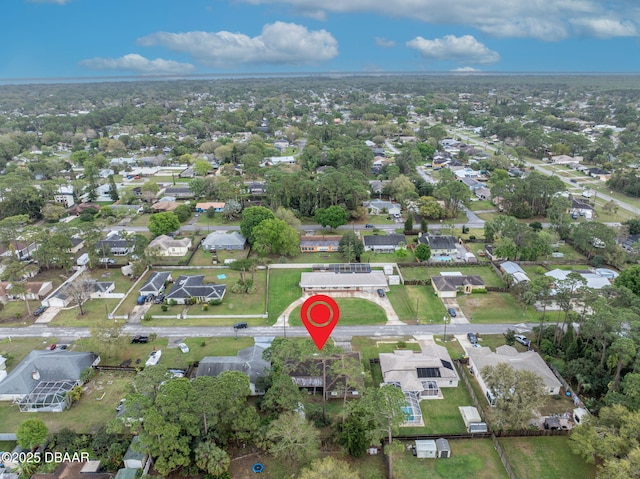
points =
(548, 457)
(470, 459)
(442, 416)
(416, 302)
(485, 272)
(284, 289)
(204, 258)
(94, 310)
(481, 205)
(96, 407)
(495, 308)
(352, 311)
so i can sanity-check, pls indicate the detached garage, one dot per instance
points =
(426, 449)
(443, 449)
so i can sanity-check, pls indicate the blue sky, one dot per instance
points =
(90, 38)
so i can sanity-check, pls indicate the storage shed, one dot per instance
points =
(443, 449)
(469, 415)
(426, 448)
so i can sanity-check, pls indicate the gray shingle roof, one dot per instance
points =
(155, 282)
(386, 240)
(191, 287)
(249, 361)
(438, 242)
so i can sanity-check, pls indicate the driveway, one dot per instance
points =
(47, 316)
(459, 318)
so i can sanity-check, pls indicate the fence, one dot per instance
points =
(465, 379)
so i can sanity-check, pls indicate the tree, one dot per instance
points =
(211, 458)
(201, 167)
(231, 209)
(350, 247)
(332, 216)
(622, 352)
(273, 236)
(453, 193)
(163, 223)
(408, 224)
(282, 395)
(113, 189)
(292, 438)
(349, 371)
(630, 278)
(31, 433)
(423, 252)
(80, 290)
(252, 217)
(183, 212)
(149, 190)
(198, 187)
(389, 401)
(53, 212)
(329, 466)
(516, 393)
(288, 217)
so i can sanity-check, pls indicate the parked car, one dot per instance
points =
(148, 298)
(242, 325)
(39, 310)
(159, 299)
(452, 312)
(107, 261)
(154, 357)
(183, 347)
(381, 293)
(368, 225)
(141, 299)
(522, 339)
(52, 347)
(472, 338)
(139, 339)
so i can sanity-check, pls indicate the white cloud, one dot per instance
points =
(139, 64)
(465, 69)
(465, 49)
(605, 27)
(547, 20)
(278, 43)
(383, 42)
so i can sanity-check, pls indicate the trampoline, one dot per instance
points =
(257, 467)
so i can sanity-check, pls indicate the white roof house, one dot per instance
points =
(319, 282)
(531, 361)
(164, 245)
(516, 272)
(593, 278)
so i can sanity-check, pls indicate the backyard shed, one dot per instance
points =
(426, 448)
(470, 415)
(443, 449)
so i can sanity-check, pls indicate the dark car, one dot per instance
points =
(381, 293)
(139, 339)
(472, 338)
(368, 225)
(240, 325)
(452, 312)
(159, 299)
(38, 311)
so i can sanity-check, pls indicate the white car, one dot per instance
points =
(522, 339)
(183, 347)
(154, 357)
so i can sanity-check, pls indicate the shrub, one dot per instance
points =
(215, 302)
(205, 307)
(147, 317)
(172, 302)
(87, 375)
(472, 237)
(401, 345)
(164, 307)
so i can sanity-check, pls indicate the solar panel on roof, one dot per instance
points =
(446, 364)
(428, 372)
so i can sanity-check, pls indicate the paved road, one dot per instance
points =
(68, 333)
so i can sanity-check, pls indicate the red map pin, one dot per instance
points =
(320, 314)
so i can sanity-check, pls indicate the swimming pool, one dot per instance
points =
(442, 258)
(408, 413)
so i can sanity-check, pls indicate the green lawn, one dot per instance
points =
(488, 275)
(481, 205)
(442, 416)
(352, 311)
(470, 459)
(15, 313)
(94, 310)
(96, 407)
(284, 289)
(407, 300)
(495, 308)
(548, 457)
(205, 258)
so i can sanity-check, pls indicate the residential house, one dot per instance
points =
(164, 245)
(76, 245)
(41, 381)
(187, 173)
(440, 245)
(599, 173)
(78, 209)
(19, 248)
(594, 280)
(314, 244)
(380, 207)
(203, 207)
(75, 470)
(316, 376)
(256, 188)
(64, 196)
(248, 360)
(156, 282)
(565, 159)
(162, 206)
(115, 244)
(384, 243)
(479, 358)
(105, 173)
(63, 296)
(179, 192)
(423, 373)
(324, 282)
(187, 288)
(580, 207)
(220, 240)
(278, 160)
(448, 284)
(482, 193)
(34, 291)
(509, 268)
